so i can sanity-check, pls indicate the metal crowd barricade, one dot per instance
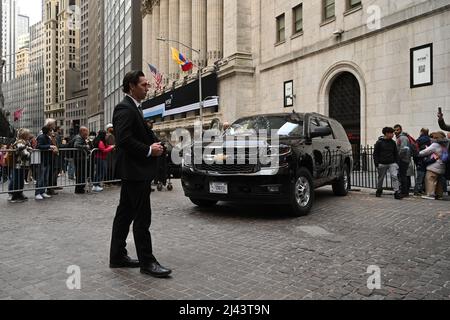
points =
(365, 174)
(70, 168)
(41, 170)
(101, 169)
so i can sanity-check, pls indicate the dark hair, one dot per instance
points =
(388, 130)
(425, 131)
(397, 126)
(100, 137)
(130, 78)
(45, 130)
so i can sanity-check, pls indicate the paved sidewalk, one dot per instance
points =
(231, 251)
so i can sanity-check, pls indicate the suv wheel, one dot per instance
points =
(302, 193)
(203, 203)
(342, 185)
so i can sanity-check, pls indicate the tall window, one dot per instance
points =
(328, 9)
(281, 28)
(298, 18)
(353, 4)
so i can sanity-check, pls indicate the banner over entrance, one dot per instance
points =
(183, 99)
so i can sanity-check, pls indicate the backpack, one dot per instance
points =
(413, 146)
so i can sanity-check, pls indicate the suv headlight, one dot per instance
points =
(276, 156)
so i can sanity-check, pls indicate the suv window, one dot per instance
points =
(286, 126)
(326, 124)
(339, 131)
(317, 123)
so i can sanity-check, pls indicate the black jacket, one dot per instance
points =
(43, 144)
(385, 152)
(443, 125)
(133, 141)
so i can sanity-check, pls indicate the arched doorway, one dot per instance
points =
(345, 107)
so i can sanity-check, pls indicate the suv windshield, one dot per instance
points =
(285, 126)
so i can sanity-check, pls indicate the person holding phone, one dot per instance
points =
(441, 121)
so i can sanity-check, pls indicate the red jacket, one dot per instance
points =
(103, 151)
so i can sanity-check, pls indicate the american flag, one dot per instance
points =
(157, 76)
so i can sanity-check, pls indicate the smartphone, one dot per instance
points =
(440, 110)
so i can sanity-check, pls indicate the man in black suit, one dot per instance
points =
(137, 153)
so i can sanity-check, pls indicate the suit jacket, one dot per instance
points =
(133, 141)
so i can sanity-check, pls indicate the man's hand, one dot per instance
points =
(157, 150)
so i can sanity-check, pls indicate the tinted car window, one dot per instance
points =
(339, 131)
(326, 124)
(318, 123)
(285, 126)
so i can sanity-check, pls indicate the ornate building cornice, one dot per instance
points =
(147, 6)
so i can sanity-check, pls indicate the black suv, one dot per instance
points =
(312, 151)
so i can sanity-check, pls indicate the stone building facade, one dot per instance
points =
(348, 59)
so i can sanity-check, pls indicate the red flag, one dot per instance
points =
(18, 114)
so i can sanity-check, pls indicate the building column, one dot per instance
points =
(174, 29)
(147, 26)
(185, 32)
(199, 34)
(215, 31)
(154, 35)
(237, 75)
(164, 47)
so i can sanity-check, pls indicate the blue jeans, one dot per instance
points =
(16, 181)
(44, 176)
(420, 181)
(70, 168)
(100, 171)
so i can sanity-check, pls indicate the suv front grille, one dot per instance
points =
(228, 168)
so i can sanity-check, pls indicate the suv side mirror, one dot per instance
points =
(321, 132)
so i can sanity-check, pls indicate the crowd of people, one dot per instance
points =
(42, 159)
(428, 154)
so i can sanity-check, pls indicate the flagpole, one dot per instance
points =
(200, 89)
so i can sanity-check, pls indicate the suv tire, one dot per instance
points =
(302, 193)
(342, 186)
(203, 203)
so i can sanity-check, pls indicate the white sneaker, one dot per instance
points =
(46, 196)
(39, 197)
(97, 189)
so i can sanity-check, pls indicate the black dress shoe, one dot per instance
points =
(126, 262)
(154, 269)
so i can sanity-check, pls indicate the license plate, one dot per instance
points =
(218, 187)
